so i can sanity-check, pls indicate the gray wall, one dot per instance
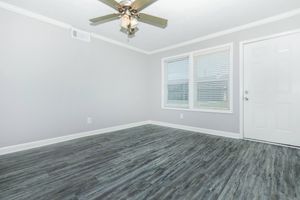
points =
(50, 83)
(222, 122)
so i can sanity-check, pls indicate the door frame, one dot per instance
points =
(242, 78)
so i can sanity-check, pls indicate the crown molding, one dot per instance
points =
(33, 15)
(121, 44)
(60, 24)
(232, 30)
(54, 22)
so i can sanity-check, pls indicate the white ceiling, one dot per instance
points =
(188, 19)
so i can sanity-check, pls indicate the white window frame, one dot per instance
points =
(191, 55)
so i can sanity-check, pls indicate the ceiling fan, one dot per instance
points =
(129, 13)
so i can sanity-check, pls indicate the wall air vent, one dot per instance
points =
(80, 35)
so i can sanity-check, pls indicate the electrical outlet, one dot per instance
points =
(89, 120)
(181, 116)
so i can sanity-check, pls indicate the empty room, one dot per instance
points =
(149, 100)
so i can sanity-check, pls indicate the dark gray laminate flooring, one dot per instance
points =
(152, 162)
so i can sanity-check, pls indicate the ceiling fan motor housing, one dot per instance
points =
(126, 3)
(126, 8)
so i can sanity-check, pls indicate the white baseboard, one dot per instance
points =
(41, 143)
(198, 130)
(36, 144)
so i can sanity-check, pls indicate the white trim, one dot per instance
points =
(272, 143)
(163, 77)
(232, 30)
(270, 36)
(198, 130)
(198, 110)
(191, 55)
(241, 80)
(49, 20)
(60, 24)
(46, 142)
(231, 78)
(41, 143)
(162, 83)
(77, 35)
(121, 44)
(191, 81)
(33, 15)
(212, 49)
(242, 77)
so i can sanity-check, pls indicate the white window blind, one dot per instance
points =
(212, 80)
(177, 82)
(199, 81)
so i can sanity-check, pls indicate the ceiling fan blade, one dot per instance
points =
(142, 4)
(152, 20)
(104, 19)
(111, 3)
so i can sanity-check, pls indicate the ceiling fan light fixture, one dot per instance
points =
(129, 11)
(125, 21)
(134, 22)
(129, 22)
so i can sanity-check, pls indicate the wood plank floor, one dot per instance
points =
(152, 162)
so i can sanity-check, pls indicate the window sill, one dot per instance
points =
(199, 110)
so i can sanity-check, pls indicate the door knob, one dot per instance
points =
(246, 99)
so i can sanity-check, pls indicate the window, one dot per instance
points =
(199, 81)
(177, 82)
(212, 71)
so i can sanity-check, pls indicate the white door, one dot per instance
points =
(272, 90)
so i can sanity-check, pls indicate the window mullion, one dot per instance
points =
(191, 81)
